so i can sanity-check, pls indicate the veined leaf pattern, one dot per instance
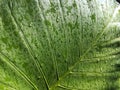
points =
(59, 45)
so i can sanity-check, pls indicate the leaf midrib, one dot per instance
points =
(87, 51)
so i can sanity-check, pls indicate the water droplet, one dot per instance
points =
(106, 61)
(30, 25)
(98, 60)
(101, 69)
(114, 56)
(39, 77)
(57, 20)
(110, 57)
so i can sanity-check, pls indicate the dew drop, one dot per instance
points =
(30, 25)
(98, 60)
(113, 56)
(101, 69)
(106, 61)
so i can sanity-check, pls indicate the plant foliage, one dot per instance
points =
(59, 45)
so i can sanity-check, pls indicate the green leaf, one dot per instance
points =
(59, 45)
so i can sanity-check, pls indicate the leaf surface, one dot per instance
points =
(59, 45)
